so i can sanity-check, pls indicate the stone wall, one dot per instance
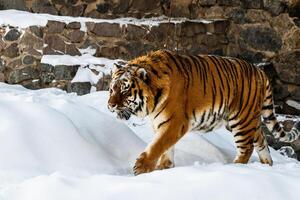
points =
(260, 31)
(22, 49)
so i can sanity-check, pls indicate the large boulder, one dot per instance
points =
(261, 38)
(12, 35)
(287, 65)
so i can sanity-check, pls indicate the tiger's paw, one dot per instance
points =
(143, 165)
(164, 163)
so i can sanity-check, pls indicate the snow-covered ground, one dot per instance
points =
(55, 145)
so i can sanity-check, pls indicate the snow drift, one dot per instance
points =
(55, 145)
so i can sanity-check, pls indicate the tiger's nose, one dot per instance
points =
(112, 106)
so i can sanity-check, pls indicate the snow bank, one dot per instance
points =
(55, 145)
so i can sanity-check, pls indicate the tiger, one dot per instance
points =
(182, 93)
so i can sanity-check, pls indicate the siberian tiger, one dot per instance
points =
(182, 93)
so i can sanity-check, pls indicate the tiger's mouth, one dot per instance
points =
(123, 114)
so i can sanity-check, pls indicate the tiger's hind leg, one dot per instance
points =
(166, 161)
(243, 133)
(261, 147)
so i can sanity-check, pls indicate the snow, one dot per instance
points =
(55, 145)
(293, 104)
(16, 18)
(87, 62)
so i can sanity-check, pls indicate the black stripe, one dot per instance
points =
(268, 107)
(269, 97)
(244, 139)
(276, 128)
(164, 122)
(241, 133)
(217, 64)
(271, 117)
(194, 115)
(161, 110)
(174, 59)
(156, 97)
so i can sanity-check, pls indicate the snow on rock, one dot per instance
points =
(16, 18)
(55, 145)
(87, 62)
(293, 104)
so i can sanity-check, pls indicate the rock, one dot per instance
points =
(261, 38)
(48, 51)
(64, 72)
(103, 7)
(257, 16)
(145, 5)
(287, 109)
(105, 29)
(228, 2)
(61, 84)
(74, 11)
(55, 42)
(11, 51)
(42, 6)
(110, 51)
(28, 59)
(2, 65)
(12, 35)
(280, 92)
(81, 88)
(134, 32)
(37, 31)
(2, 43)
(72, 50)
(30, 40)
(163, 33)
(2, 77)
(74, 25)
(134, 49)
(46, 78)
(287, 65)
(209, 2)
(14, 63)
(237, 15)
(75, 36)
(269, 69)
(256, 4)
(295, 94)
(59, 2)
(120, 6)
(46, 67)
(191, 28)
(274, 7)
(55, 26)
(103, 83)
(32, 84)
(293, 8)
(221, 26)
(22, 74)
(179, 8)
(250, 56)
(31, 51)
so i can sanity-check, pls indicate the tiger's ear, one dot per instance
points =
(116, 66)
(142, 74)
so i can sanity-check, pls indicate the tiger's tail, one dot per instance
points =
(271, 122)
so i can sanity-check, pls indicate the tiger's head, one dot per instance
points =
(129, 92)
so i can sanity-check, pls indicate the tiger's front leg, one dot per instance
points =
(168, 134)
(166, 161)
